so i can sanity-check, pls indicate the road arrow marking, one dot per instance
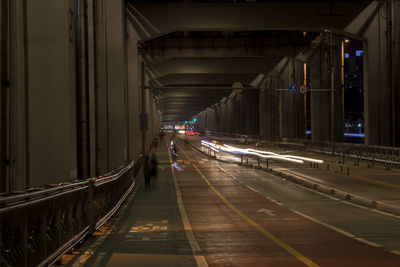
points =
(266, 211)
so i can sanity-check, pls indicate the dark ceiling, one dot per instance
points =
(191, 70)
(193, 54)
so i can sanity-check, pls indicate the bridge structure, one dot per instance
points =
(86, 86)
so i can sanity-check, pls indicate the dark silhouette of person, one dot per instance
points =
(146, 170)
(154, 171)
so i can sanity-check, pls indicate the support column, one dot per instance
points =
(101, 90)
(52, 91)
(269, 116)
(134, 92)
(325, 105)
(14, 174)
(251, 112)
(291, 104)
(230, 116)
(210, 120)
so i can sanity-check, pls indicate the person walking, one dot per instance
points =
(154, 170)
(146, 171)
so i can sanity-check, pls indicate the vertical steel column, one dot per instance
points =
(26, 76)
(5, 84)
(367, 137)
(143, 110)
(390, 83)
(333, 70)
(83, 137)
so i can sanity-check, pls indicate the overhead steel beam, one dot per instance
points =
(201, 87)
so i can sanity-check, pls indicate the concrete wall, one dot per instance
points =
(52, 106)
(134, 92)
(116, 83)
(44, 98)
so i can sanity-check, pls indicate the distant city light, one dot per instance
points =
(346, 134)
(185, 122)
(359, 53)
(346, 55)
(194, 119)
(346, 40)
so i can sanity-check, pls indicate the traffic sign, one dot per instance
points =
(303, 89)
(292, 88)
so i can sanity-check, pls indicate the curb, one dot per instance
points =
(342, 195)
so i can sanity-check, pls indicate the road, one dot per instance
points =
(247, 217)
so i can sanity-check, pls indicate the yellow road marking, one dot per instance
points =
(250, 221)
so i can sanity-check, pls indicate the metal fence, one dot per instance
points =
(37, 228)
(389, 156)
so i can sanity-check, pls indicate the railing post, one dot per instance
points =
(90, 212)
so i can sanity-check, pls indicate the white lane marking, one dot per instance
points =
(346, 202)
(267, 211)
(368, 242)
(318, 221)
(343, 232)
(200, 260)
(324, 224)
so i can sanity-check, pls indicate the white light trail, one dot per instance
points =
(259, 153)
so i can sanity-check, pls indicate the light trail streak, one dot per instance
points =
(259, 153)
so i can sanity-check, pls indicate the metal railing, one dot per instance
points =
(237, 137)
(37, 228)
(389, 156)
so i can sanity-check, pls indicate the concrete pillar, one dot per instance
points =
(101, 91)
(210, 120)
(14, 174)
(251, 112)
(269, 115)
(202, 120)
(224, 116)
(239, 113)
(396, 69)
(218, 119)
(321, 101)
(134, 93)
(52, 99)
(116, 83)
(291, 104)
(230, 115)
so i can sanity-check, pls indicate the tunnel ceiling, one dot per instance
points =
(192, 68)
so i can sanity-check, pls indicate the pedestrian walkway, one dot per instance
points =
(149, 231)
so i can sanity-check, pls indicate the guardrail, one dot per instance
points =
(389, 156)
(37, 228)
(375, 154)
(237, 137)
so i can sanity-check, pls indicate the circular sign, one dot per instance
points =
(303, 89)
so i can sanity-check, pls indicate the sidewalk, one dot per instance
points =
(150, 230)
